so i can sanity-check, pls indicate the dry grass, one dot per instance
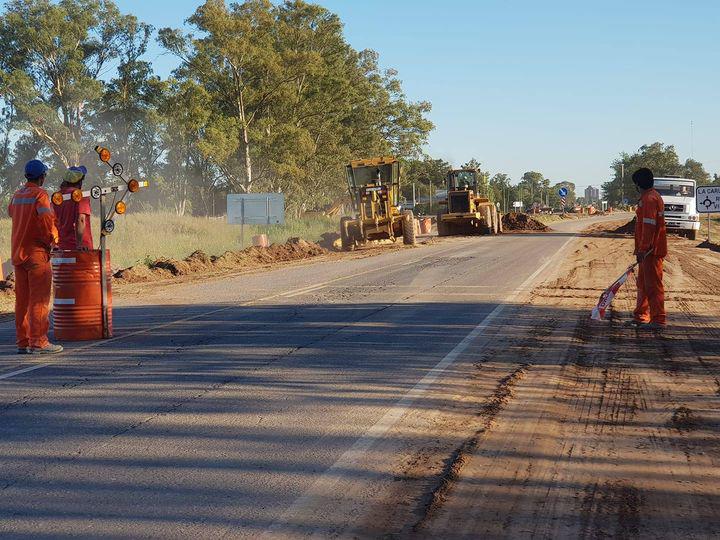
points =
(547, 219)
(140, 237)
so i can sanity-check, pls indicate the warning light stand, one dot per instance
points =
(107, 224)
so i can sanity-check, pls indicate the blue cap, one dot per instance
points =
(34, 169)
(81, 169)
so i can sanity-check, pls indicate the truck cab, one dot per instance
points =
(681, 215)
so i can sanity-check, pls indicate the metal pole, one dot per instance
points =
(622, 184)
(242, 223)
(414, 198)
(431, 196)
(103, 272)
(708, 227)
(267, 213)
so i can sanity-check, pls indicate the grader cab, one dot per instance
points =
(374, 187)
(467, 212)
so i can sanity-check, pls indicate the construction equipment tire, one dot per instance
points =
(348, 242)
(443, 229)
(486, 227)
(692, 234)
(495, 221)
(408, 228)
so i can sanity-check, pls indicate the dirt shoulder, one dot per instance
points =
(583, 429)
(200, 267)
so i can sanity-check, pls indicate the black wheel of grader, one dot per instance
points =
(443, 229)
(348, 242)
(692, 234)
(408, 228)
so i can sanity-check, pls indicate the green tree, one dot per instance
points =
(531, 188)
(424, 173)
(126, 118)
(554, 195)
(502, 190)
(660, 158)
(53, 57)
(291, 101)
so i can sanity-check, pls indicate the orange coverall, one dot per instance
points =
(34, 232)
(650, 234)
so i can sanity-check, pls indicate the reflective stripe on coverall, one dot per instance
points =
(650, 234)
(33, 234)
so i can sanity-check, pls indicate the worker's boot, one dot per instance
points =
(652, 326)
(50, 348)
(24, 350)
(632, 323)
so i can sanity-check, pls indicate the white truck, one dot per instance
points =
(681, 215)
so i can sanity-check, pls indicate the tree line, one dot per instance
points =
(660, 158)
(532, 189)
(265, 98)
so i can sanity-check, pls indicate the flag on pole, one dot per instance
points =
(606, 298)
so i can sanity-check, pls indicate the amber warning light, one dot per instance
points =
(103, 153)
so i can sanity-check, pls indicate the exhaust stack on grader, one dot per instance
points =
(467, 212)
(374, 187)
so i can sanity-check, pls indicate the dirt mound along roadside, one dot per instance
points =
(628, 228)
(522, 222)
(199, 262)
(331, 241)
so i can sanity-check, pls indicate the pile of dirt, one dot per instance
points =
(331, 241)
(522, 222)
(7, 286)
(200, 262)
(628, 228)
(7, 294)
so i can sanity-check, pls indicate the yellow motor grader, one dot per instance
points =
(374, 187)
(467, 212)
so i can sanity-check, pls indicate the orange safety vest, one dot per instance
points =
(650, 225)
(33, 222)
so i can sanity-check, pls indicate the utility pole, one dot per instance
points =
(622, 184)
(692, 141)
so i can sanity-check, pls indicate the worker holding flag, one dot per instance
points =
(650, 250)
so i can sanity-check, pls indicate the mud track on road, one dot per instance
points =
(577, 428)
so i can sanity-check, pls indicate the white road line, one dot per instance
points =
(67, 352)
(21, 371)
(305, 291)
(349, 461)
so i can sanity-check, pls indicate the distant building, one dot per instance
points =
(592, 194)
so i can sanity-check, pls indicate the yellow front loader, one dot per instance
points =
(467, 212)
(374, 187)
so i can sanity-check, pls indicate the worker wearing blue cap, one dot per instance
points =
(74, 217)
(34, 234)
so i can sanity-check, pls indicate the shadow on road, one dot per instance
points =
(221, 420)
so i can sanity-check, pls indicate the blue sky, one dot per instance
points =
(561, 87)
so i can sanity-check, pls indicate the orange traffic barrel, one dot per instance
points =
(425, 225)
(77, 306)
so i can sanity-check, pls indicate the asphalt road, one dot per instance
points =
(269, 404)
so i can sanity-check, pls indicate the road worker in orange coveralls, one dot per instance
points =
(650, 250)
(34, 234)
